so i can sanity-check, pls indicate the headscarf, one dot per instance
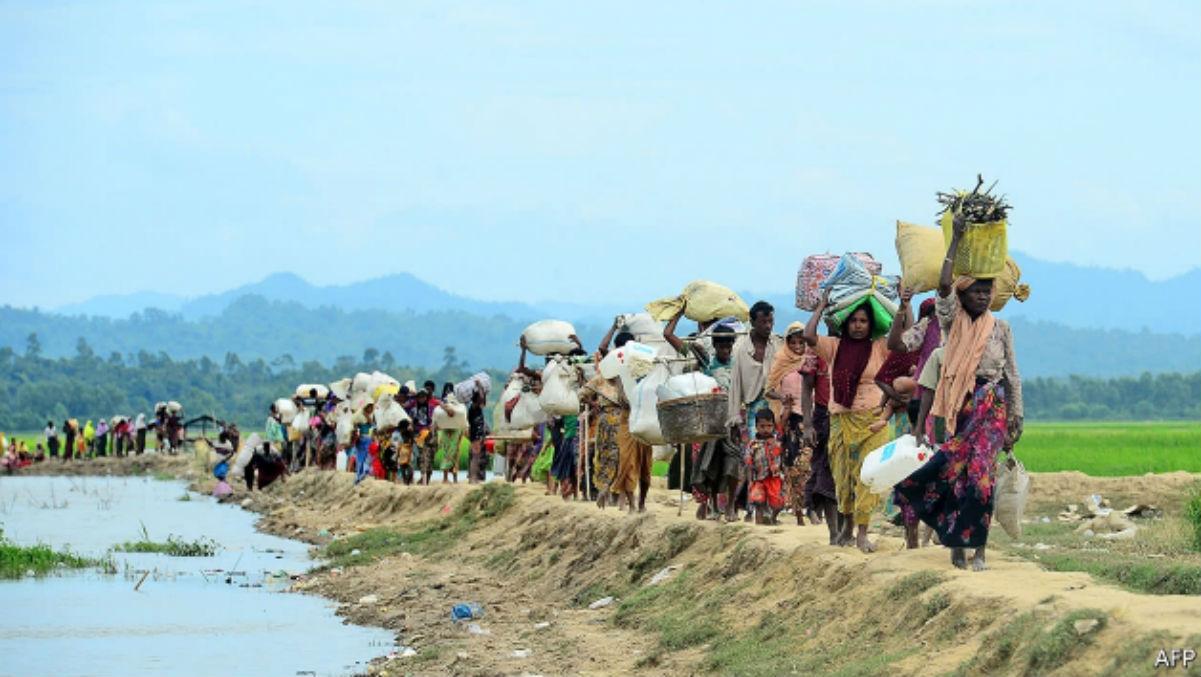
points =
(961, 358)
(850, 361)
(785, 362)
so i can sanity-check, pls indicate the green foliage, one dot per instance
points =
(174, 546)
(915, 584)
(36, 389)
(431, 538)
(1055, 648)
(1146, 397)
(1192, 514)
(18, 560)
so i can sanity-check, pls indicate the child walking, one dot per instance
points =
(764, 461)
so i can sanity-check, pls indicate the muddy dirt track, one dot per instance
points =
(731, 599)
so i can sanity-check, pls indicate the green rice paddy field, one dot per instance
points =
(1112, 449)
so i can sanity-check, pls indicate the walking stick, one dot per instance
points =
(680, 507)
(584, 482)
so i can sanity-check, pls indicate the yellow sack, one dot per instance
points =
(982, 250)
(702, 301)
(1008, 286)
(921, 250)
(389, 388)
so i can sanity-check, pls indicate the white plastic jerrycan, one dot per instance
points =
(885, 467)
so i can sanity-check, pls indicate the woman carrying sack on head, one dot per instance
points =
(854, 359)
(978, 402)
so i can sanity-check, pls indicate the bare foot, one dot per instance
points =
(702, 511)
(978, 563)
(958, 558)
(865, 545)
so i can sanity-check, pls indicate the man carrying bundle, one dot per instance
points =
(715, 464)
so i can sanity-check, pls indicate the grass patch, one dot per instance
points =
(1192, 515)
(1055, 648)
(1111, 449)
(17, 561)
(915, 584)
(163, 476)
(429, 539)
(1158, 561)
(185, 497)
(174, 546)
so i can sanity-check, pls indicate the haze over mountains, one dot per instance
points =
(1084, 321)
(1075, 296)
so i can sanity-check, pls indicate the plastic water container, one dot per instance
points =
(885, 467)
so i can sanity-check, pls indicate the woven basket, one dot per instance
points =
(693, 419)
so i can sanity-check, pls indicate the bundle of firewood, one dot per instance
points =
(976, 206)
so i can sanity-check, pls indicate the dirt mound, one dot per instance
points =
(693, 597)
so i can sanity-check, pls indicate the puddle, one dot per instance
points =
(185, 619)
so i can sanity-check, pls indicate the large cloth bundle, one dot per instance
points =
(388, 414)
(560, 394)
(303, 390)
(814, 271)
(528, 413)
(982, 249)
(508, 397)
(245, 453)
(344, 427)
(340, 389)
(286, 409)
(647, 331)
(632, 360)
(701, 301)
(455, 419)
(465, 390)
(644, 415)
(687, 385)
(851, 286)
(921, 250)
(549, 337)
(361, 383)
(300, 422)
(174, 407)
(1007, 286)
(360, 400)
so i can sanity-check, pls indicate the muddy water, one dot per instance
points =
(220, 615)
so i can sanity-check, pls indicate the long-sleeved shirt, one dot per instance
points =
(748, 376)
(998, 363)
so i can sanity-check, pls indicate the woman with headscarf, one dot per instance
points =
(854, 359)
(910, 347)
(616, 451)
(784, 385)
(977, 410)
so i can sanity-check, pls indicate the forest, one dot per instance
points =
(35, 388)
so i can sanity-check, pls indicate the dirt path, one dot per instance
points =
(739, 598)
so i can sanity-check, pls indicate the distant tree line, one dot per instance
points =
(34, 389)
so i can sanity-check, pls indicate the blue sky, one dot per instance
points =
(553, 150)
